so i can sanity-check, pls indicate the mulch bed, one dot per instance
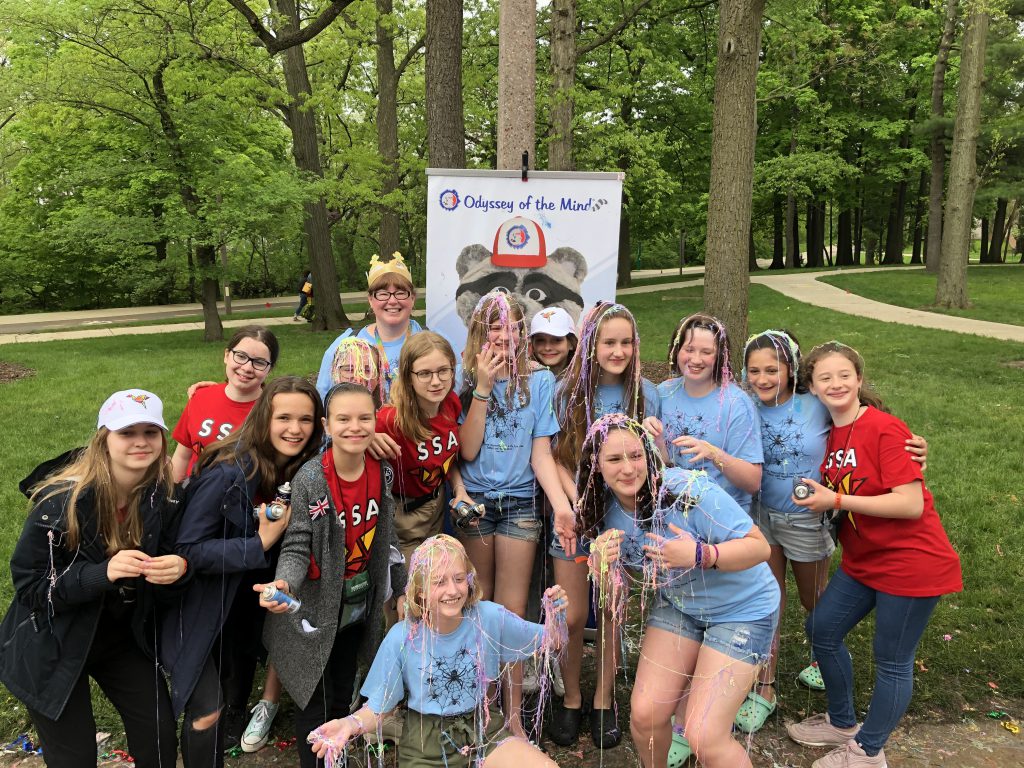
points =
(12, 372)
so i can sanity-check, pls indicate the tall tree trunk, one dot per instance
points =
(563, 79)
(734, 132)
(937, 147)
(809, 233)
(995, 248)
(792, 234)
(858, 231)
(844, 244)
(328, 312)
(624, 269)
(517, 81)
(898, 212)
(983, 245)
(387, 127)
(951, 288)
(446, 126)
(778, 241)
(922, 189)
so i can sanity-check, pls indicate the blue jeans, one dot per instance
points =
(899, 624)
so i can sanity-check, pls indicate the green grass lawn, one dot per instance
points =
(954, 389)
(996, 292)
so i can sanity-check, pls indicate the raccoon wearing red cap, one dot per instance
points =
(520, 264)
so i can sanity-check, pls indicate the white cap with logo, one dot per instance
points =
(554, 321)
(131, 406)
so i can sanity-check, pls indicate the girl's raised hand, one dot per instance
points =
(383, 446)
(606, 546)
(270, 531)
(697, 450)
(678, 551)
(272, 605)
(488, 364)
(165, 569)
(126, 564)
(654, 427)
(820, 500)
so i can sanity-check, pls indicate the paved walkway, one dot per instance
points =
(802, 287)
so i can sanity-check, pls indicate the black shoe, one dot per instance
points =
(234, 721)
(604, 727)
(564, 727)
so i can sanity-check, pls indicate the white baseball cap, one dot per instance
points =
(554, 321)
(131, 406)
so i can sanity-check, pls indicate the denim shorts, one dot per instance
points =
(746, 641)
(512, 516)
(803, 536)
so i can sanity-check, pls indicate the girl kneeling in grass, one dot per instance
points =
(897, 560)
(444, 658)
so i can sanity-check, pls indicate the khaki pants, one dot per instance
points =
(413, 528)
(429, 741)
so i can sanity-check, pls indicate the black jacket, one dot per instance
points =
(47, 633)
(218, 537)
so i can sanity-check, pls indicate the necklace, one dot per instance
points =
(385, 364)
(829, 450)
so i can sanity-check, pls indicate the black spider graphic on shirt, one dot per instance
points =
(453, 680)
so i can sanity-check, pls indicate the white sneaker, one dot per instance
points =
(531, 675)
(258, 731)
(557, 684)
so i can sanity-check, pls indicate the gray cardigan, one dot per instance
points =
(299, 656)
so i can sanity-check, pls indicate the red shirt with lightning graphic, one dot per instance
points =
(358, 504)
(421, 467)
(910, 558)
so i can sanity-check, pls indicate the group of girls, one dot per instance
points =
(642, 487)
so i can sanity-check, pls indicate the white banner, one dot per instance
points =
(552, 241)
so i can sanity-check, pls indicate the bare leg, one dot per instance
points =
(513, 566)
(518, 753)
(720, 684)
(573, 579)
(481, 553)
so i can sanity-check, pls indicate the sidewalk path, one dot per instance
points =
(802, 287)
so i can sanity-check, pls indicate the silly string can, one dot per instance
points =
(276, 508)
(272, 594)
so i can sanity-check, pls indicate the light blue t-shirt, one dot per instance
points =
(391, 350)
(448, 674)
(502, 467)
(610, 399)
(706, 595)
(724, 417)
(794, 436)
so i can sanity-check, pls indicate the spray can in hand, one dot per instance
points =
(271, 594)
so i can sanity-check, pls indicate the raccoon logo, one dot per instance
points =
(520, 265)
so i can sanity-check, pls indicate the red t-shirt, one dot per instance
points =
(910, 558)
(421, 467)
(358, 504)
(208, 417)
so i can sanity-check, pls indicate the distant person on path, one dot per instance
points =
(305, 294)
(91, 561)
(391, 294)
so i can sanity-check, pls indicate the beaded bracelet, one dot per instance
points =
(481, 398)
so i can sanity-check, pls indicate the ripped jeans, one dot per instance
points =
(512, 516)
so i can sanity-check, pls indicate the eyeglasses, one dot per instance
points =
(444, 375)
(382, 294)
(258, 363)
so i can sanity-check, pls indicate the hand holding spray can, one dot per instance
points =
(276, 508)
(271, 594)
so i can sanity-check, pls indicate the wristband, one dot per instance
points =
(715, 566)
(481, 398)
(839, 502)
(359, 724)
(698, 556)
(184, 566)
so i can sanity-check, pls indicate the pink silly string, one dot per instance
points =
(498, 308)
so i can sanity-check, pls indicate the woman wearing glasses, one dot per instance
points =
(391, 295)
(419, 433)
(213, 412)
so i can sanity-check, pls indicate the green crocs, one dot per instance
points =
(679, 752)
(754, 712)
(811, 677)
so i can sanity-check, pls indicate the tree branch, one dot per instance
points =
(275, 44)
(407, 59)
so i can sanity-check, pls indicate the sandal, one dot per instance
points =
(564, 726)
(811, 677)
(604, 727)
(753, 712)
(679, 751)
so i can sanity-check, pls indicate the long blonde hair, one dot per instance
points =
(434, 554)
(91, 470)
(410, 419)
(498, 307)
